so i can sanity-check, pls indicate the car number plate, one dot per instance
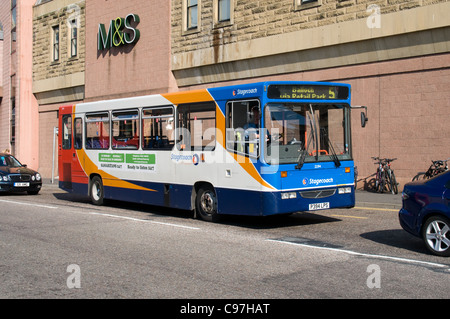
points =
(21, 184)
(317, 206)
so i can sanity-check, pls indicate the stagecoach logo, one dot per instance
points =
(120, 32)
(240, 92)
(195, 159)
(313, 181)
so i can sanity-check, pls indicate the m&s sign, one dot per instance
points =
(120, 32)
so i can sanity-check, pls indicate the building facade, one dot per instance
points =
(58, 68)
(18, 108)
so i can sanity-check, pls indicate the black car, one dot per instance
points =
(426, 212)
(15, 177)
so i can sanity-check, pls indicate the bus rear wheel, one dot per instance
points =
(96, 191)
(206, 204)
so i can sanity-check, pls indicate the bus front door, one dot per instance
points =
(65, 148)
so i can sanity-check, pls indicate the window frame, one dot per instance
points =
(126, 143)
(104, 118)
(186, 29)
(232, 144)
(180, 139)
(56, 40)
(171, 142)
(216, 10)
(306, 4)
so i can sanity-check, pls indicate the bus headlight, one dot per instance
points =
(288, 195)
(344, 190)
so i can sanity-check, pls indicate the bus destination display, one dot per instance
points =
(308, 92)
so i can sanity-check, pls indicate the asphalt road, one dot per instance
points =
(58, 245)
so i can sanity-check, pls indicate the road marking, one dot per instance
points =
(373, 208)
(358, 217)
(355, 253)
(27, 204)
(144, 220)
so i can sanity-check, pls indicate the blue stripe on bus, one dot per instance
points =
(230, 201)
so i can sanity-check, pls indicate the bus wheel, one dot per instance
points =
(96, 191)
(206, 204)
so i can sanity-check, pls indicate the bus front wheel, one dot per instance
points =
(96, 191)
(206, 204)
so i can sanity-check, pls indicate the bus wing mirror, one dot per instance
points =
(364, 117)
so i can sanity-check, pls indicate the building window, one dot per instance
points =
(73, 38)
(223, 12)
(306, 4)
(56, 43)
(191, 16)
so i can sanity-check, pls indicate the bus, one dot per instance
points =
(254, 149)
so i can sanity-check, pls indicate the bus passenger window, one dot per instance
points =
(125, 130)
(158, 128)
(78, 133)
(97, 131)
(196, 127)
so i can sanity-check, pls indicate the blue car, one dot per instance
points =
(426, 212)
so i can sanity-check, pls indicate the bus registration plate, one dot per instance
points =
(316, 206)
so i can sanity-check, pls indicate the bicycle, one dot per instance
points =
(436, 168)
(385, 177)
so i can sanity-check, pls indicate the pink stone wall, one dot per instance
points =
(129, 70)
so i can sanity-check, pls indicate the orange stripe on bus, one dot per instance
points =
(108, 180)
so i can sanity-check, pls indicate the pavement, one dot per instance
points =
(363, 198)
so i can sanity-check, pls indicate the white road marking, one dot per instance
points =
(406, 260)
(27, 204)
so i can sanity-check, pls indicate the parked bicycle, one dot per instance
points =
(385, 178)
(436, 168)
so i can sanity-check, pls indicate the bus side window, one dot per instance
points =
(125, 130)
(67, 132)
(196, 124)
(78, 133)
(97, 131)
(158, 128)
(243, 120)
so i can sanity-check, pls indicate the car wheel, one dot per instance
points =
(206, 204)
(96, 191)
(436, 235)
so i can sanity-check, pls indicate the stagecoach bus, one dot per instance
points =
(254, 149)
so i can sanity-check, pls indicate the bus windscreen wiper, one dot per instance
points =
(334, 156)
(304, 150)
